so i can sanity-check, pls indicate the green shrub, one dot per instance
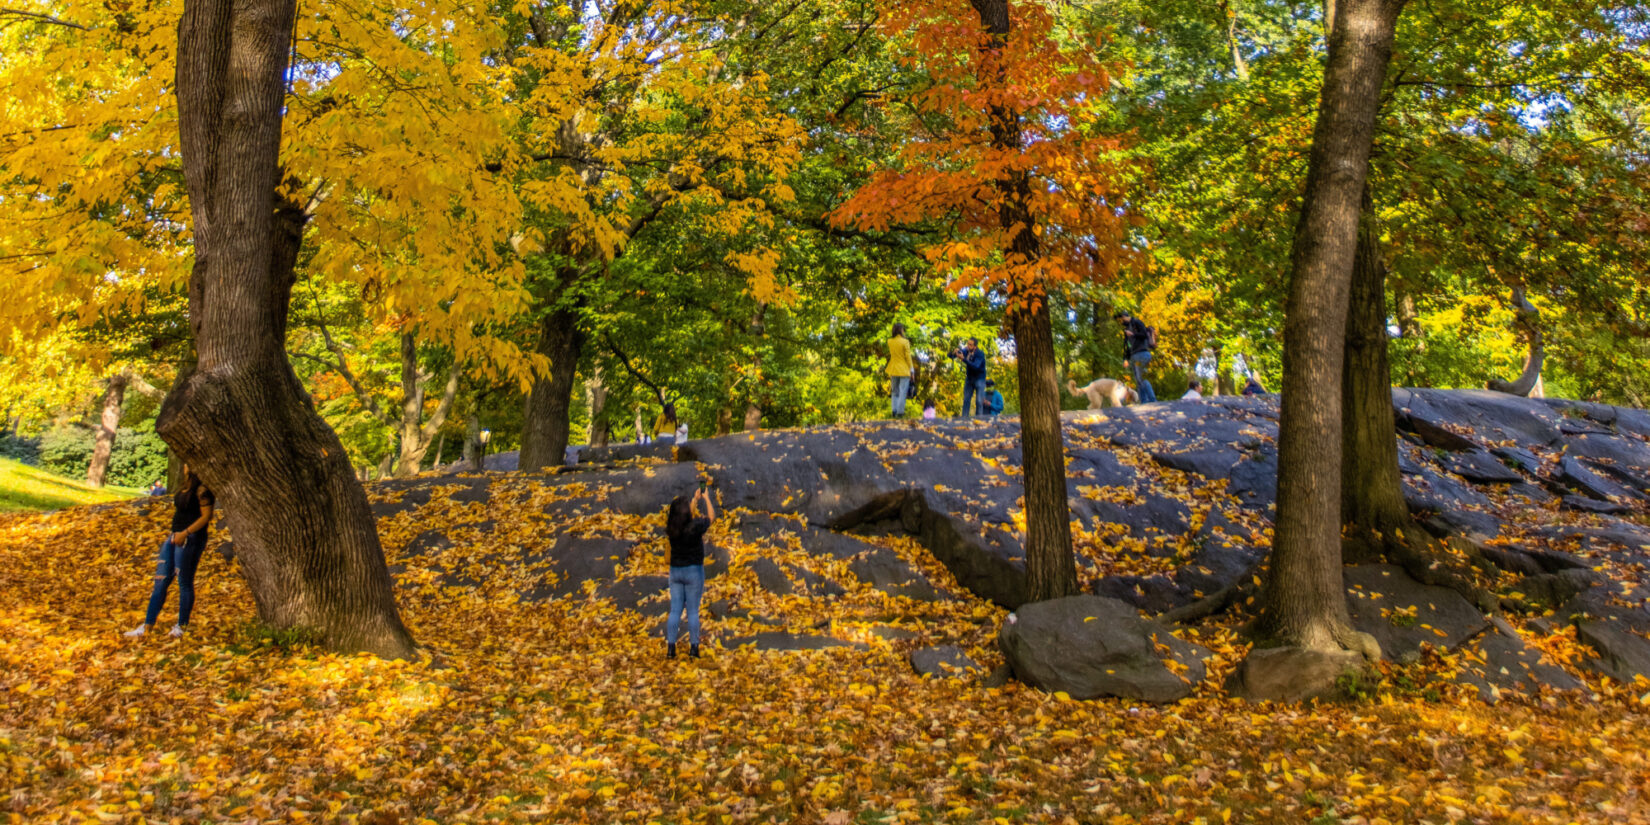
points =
(138, 459)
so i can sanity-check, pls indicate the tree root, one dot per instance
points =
(1215, 602)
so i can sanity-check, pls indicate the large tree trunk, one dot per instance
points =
(114, 398)
(1373, 511)
(1304, 602)
(753, 417)
(304, 534)
(547, 419)
(1051, 567)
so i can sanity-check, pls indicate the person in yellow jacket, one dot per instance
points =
(899, 369)
(666, 425)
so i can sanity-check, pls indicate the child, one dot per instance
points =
(928, 410)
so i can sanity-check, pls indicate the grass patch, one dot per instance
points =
(25, 488)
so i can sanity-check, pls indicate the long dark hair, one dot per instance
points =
(899, 331)
(670, 412)
(681, 514)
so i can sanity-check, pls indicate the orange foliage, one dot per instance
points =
(1079, 211)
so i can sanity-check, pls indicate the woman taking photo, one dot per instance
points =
(180, 554)
(685, 526)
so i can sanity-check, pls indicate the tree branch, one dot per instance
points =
(42, 18)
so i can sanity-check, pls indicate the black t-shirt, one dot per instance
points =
(688, 549)
(186, 507)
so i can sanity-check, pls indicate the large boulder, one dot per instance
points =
(1091, 646)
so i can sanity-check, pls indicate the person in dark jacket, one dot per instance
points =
(685, 526)
(1252, 387)
(180, 554)
(973, 360)
(993, 400)
(1137, 353)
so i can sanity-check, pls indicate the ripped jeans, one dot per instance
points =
(180, 563)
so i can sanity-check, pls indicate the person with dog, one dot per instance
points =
(899, 370)
(685, 526)
(1138, 342)
(973, 360)
(180, 554)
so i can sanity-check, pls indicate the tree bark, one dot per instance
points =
(596, 395)
(1051, 566)
(304, 534)
(416, 433)
(1372, 497)
(753, 417)
(1304, 600)
(1528, 319)
(547, 418)
(114, 398)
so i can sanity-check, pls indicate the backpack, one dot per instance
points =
(1151, 339)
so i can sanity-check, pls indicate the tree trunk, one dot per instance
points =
(1304, 602)
(1051, 566)
(753, 417)
(440, 445)
(596, 395)
(472, 437)
(305, 537)
(114, 397)
(547, 418)
(1528, 318)
(1372, 496)
(416, 433)
(724, 420)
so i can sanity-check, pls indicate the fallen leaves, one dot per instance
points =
(566, 711)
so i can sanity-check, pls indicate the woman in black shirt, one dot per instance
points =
(180, 554)
(685, 526)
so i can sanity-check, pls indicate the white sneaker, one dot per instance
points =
(136, 631)
(177, 631)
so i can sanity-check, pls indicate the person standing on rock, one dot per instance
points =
(665, 426)
(899, 370)
(180, 554)
(1138, 342)
(685, 526)
(973, 360)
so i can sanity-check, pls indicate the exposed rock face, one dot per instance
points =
(1092, 646)
(1137, 478)
(1402, 614)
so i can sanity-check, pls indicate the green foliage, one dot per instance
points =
(139, 456)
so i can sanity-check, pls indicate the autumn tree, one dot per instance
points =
(1006, 145)
(1305, 599)
(304, 532)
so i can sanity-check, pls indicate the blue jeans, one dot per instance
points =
(973, 390)
(899, 388)
(1138, 363)
(687, 587)
(180, 563)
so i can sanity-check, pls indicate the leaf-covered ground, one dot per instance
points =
(30, 488)
(566, 710)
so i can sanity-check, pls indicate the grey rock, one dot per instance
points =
(1622, 654)
(1402, 613)
(770, 577)
(632, 593)
(998, 677)
(944, 661)
(1091, 646)
(575, 560)
(786, 640)
(1481, 466)
(1499, 662)
(1582, 478)
(1293, 674)
(1592, 505)
(429, 542)
(1551, 590)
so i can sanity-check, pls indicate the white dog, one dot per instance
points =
(1101, 390)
